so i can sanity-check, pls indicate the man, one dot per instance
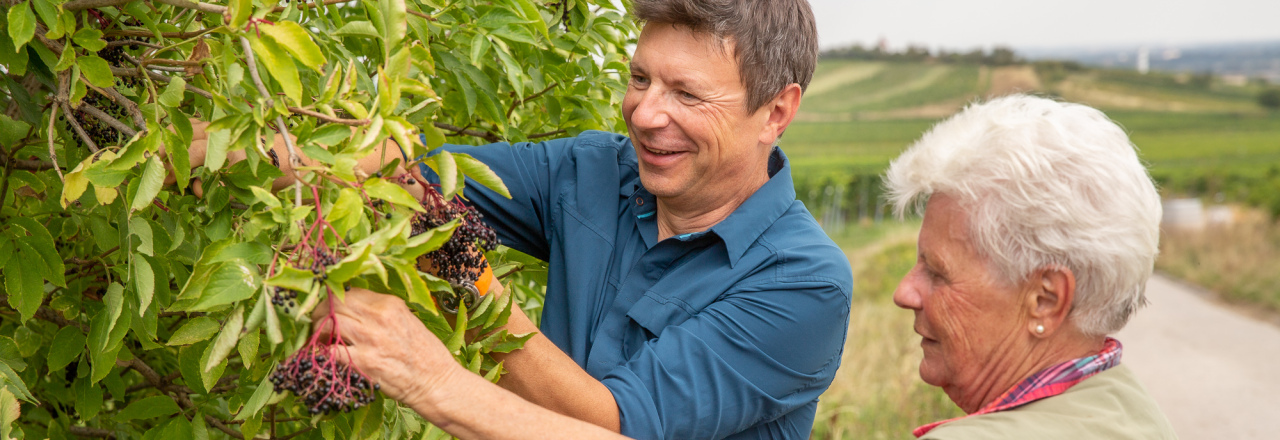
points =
(689, 295)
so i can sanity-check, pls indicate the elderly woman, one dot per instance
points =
(1040, 230)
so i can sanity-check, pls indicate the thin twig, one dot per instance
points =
(311, 5)
(53, 156)
(469, 132)
(61, 98)
(548, 134)
(120, 71)
(133, 42)
(327, 118)
(104, 117)
(202, 7)
(128, 104)
(82, 431)
(149, 34)
(520, 102)
(66, 108)
(77, 5)
(294, 160)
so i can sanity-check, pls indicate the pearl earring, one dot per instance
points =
(1039, 329)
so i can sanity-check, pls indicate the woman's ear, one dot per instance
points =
(1049, 299)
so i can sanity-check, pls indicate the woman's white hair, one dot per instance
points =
(1045, 184)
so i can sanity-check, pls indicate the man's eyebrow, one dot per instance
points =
(635, 68)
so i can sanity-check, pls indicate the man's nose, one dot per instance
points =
(651, 111)
(907, 294)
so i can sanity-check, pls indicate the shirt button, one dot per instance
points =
(639, 201)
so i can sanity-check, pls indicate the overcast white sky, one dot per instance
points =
(960, 24)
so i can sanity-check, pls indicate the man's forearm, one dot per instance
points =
(543, 374)
(468, 406)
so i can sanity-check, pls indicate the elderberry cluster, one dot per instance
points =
(461, 259)
(322, 384)
(284, 298)
(101, 133)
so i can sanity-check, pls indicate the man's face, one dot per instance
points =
(968, 319)
(686, 112)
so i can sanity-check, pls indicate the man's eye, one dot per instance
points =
(688, 96)
(639, 80)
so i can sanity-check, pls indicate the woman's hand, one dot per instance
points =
(390, 345)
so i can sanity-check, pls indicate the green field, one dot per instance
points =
(1198, 139)
(847, 125)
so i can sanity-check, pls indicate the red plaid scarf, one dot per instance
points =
(1048, 382)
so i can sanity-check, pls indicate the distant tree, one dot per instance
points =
(1270, 99)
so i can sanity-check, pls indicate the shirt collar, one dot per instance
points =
(741, 229)
(745, 224)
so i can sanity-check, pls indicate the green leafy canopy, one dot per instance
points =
(132, 307)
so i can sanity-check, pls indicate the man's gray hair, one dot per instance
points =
(775, 41)
(1045, 184)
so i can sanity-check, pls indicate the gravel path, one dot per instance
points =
(1215, 373)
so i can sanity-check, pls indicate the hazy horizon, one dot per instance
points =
(1041, 26)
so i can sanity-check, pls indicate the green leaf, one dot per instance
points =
(172, 94)
(447, 169)
(88, 397)
(272, 59)
(96, 70)
(194, 330)
(10, 130)
(346, 211)
(66, 347)
(292, 278)
(10, 409)
(297, 41)
(73, 187)
(257, 400)
(394, 19)
(11, 355)
(226, 339)
(354, 264)
(357, 29)
(239, 11)
(148, 408)
(26, 289)
(253, 252)
(221, 284)
(433, 136)
(22, 24)
(144, 282)
(15, 384)
(381, 189)
(138, 227)
(248, 348)
(482, 174)
(149, 187)
(274, 335)
(265, 197)
(90, 38)
(114, 301)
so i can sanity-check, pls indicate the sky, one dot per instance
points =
(951, 24)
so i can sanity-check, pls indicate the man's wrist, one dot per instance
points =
(435, 398)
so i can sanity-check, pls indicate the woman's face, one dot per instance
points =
(969, 320)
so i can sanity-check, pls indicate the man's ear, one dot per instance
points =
(781, 111)
(1050, 295)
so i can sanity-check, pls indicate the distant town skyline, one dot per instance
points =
(955, 25)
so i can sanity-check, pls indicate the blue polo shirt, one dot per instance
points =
(731, 332)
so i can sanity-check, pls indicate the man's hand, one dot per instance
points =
(390, 345)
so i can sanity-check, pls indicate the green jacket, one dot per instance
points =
(1109, 405)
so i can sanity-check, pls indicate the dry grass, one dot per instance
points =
(877, 394)
(1240, 262)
